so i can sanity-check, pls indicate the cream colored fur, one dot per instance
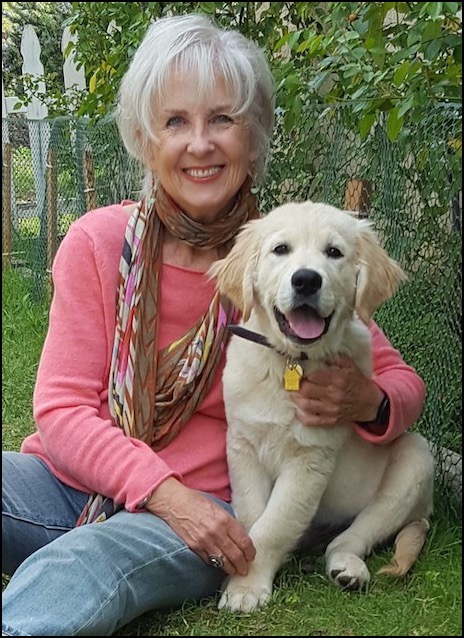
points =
(285, 476)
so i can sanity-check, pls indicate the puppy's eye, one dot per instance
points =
(333, 253)
(281, 249)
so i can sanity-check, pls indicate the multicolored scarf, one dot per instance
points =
(152, 395)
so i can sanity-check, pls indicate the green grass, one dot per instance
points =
(23, 330)
(31, 226)
(428, 602)
(425, 603)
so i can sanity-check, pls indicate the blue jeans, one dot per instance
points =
(89, 580)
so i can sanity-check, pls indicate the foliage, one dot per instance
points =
(47, 19)
(113, 31)
(392, 57)
(58, 101)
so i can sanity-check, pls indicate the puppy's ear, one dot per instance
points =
(234, 273)
(379, 275)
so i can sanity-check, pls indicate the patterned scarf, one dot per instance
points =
(152, 395)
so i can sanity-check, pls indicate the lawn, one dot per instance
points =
(427, 602)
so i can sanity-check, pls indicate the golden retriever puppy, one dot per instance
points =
(307, 278)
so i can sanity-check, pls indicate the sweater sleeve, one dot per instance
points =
(70, 397)
(400, 382)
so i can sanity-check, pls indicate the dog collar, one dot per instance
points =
(293, 372)
(240, 331)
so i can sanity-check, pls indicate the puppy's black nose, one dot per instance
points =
(306, 281)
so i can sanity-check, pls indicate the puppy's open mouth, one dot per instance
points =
(303, 324)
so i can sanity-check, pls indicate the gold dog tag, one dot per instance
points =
(292, 376)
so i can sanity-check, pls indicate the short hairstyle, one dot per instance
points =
(194, 44)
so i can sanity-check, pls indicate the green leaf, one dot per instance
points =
(365, 124)
(303, 46)
(406, 106)
(317, 81)
(292, 82)
(361, 26)
(280, 43)
(416, 67)
(327, 62)
(432, 50)
(431, 31)
(434, 9)
(293, 39)
(350, 35)
(380, 77)
(413, 38)
(352, 69)
(422, 99)
(378, 55)
(315, 42)
(400, 73)
(358, 107)
(68, 49)
(359, 92)
(394, 124)
(289, 120)
(423, 8)
(208, 7)
(93, 82)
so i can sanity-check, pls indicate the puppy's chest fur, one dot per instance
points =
(260, 412)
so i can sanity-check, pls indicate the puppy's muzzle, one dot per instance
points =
(303, 323)
(306, 282)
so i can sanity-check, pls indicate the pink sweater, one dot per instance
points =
(75, 435)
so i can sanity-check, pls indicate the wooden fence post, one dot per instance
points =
(358, 196)
(6, 247)
(89, 181)
(52, 208)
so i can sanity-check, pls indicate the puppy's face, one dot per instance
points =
(306, 267)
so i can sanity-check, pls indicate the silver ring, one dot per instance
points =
(216, 561)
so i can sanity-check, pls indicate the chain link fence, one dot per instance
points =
(54, 171)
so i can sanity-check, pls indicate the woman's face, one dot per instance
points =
(203, 155)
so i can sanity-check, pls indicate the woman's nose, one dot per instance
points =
(200, 142)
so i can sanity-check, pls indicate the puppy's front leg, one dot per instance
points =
(292, 505)
(251, 483)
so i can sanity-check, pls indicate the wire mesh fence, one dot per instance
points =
(56, 170)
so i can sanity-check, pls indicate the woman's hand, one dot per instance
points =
(206, 527)
(339, 393)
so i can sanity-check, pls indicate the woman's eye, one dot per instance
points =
(281, 249)
(174, 121)
(333, 253)
(222, 118)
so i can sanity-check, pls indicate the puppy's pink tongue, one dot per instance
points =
(306, 325)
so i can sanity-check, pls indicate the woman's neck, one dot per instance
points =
(177, 253)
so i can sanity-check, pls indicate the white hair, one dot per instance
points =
(193, 44)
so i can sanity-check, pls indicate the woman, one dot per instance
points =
(196, 107)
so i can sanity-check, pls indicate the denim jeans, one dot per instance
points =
(89, 580)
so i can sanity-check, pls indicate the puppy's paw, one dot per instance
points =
(348, 572)
(244, 595)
